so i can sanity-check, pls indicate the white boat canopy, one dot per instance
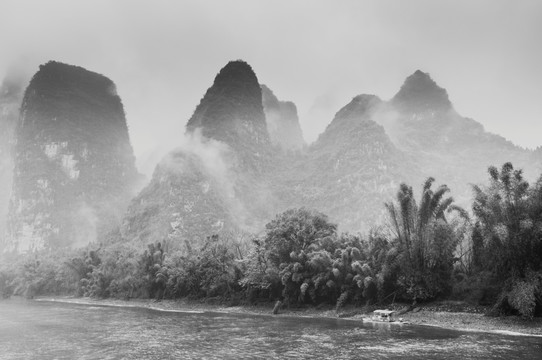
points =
(383, 312)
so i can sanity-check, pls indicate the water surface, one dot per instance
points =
(50, 330)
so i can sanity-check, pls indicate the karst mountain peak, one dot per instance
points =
(231, 110)
(420, 93)
(74, 167)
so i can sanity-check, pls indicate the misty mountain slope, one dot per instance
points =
(356, 165)
(455, 150)
(184, 199)
(282, 121)
(351, 169)
(228, 175)
(11, 94)
(74, 165)
(219, 179)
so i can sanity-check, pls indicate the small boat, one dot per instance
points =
(383, 315)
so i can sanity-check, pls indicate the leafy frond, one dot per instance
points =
(394, 220)
(425, 211)
(442, 207)
(437, 197)
(462, 212)
(427, 184)
(493, 173)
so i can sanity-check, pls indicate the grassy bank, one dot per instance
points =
(435, 314)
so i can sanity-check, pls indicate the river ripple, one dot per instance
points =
(48, 330)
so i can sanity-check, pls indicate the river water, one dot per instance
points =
(51, 330)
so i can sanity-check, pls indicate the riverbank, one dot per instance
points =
(430, 315)
(510, 325)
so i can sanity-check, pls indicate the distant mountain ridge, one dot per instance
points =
(243, 159)
(356, 164)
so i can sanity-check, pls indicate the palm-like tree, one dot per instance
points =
(507, 220)
(424, 240)
(508, 239)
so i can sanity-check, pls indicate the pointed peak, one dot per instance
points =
(231, 110)
(421, 80)
(349, 117)
(359, 105)
(366, 99)
(235, 73)
(54, 76)
(56, 68)
(235, 87)
(354, 124)
(421, 73)
(236, 79)
(420, 92)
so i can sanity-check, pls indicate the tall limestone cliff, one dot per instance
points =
(74, 164)
(11, 94)
(215, 181)
(231, 112)
(282, 121)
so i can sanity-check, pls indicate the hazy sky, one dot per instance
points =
(163, 55)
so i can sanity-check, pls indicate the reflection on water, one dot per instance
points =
(46, 330)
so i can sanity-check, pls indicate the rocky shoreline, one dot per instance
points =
(429, 315)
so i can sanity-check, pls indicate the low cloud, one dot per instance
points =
(217, 162)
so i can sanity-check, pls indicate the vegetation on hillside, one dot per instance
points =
(428, 249)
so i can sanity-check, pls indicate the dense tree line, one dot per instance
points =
(507, 240)
(428, 249)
